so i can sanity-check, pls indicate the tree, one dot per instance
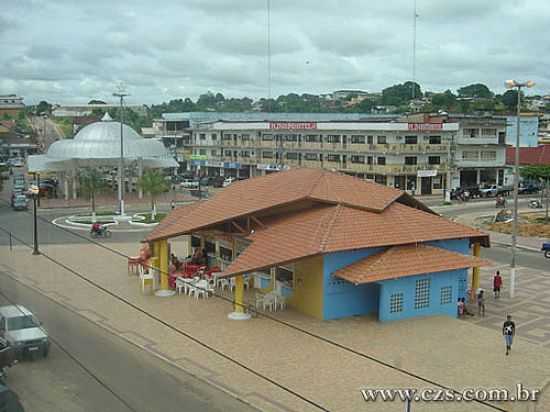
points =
(475, 90)
(43, 107)
(94, 101)
(400, 94)
(91, 184)
(510, 99)
(153, 182)
(540, 174)
(444, 101)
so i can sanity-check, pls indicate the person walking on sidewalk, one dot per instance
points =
(508, 331)
(497, 284)
(481, 303)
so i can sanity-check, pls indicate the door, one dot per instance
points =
(426, 185)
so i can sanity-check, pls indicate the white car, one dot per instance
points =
(227, 181)
(16, 162)
(23, 331)
(189, 184)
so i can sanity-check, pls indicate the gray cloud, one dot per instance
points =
(69, 51)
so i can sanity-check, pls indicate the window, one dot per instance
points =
(396, 302)
(434, 160)
(471, 132)
(333, 158)
(381, 139)
(333, 138)
(226, 136)
(202, 152)
(245, 153)
(226, 254)
(437, 182)
(411, 140)
(311, 156)
(213, 152)
(267, 155)
(227, 153)
(470, 155)
(370, 139)
(369, 160)
(381, 160)
(358, 139)
(422, 294)
(489, 132)
(410, 160)
(195, 241)
(245, 137)
(446, 296)
(488, 155)
(435, 139)
(210, 247)
(292, 156)
(312, 138)
(358, 159)
(202, 136)
(267, 137)
(291, 138)
(214, 136)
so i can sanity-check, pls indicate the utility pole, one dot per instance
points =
(121, 94)
(415, 15)
(450, 168)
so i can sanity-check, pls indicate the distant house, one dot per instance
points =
(342, 94)
(528, 156)
(11, 105)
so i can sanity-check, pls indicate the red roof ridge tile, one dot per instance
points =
(328, 232)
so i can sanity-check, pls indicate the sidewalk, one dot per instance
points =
(454, 353)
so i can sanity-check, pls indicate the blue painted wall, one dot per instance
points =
(528, 131)
(341, 298)
(407, 286)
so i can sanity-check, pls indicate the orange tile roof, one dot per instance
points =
(409, 260)
(261, 193)
(327, 229)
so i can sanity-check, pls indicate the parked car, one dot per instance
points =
(16, 162)
(9, 401)
(189, 184)
(20, 202)
(23, 331)
(528, 189)
(489, 191)
(227, 181)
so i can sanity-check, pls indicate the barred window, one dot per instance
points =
(489, 132)
(357, 139)
(422, 294)
(381, 139)
(470, 155)
(333, 158)
(488, 155)
(396, 303)
(267, 155)
(267, 137)
(333, 138)
(311, 156)
(292, 156)
(357, 159)
(446, 295)
(312, 138)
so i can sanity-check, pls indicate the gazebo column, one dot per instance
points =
(238, 301)
(75, 185)
(164, 290)
(65, 186)
(140, 175)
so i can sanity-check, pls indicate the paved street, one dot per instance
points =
(47, 131)
(59, 383)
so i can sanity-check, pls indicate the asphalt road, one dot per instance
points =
(60, 384)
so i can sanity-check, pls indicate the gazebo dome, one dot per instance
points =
(98, 144)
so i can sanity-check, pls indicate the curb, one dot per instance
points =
(145, 348)
(528, 248)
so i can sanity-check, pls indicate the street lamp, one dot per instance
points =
(121, 94)
(513, 84)
(34, 192)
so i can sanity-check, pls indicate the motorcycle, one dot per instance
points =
(535, 204)
(103, 232)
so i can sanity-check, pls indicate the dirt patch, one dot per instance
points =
(530, 225)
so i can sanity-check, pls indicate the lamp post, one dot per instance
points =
(513, 84)
(121, 94)
(34, 191)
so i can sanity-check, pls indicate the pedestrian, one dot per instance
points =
(481, 303)
(460, 308)
(508, 331)
(172, 205)
(497, 284)
(466, 311)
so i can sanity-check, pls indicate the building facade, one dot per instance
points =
(11, 105)
(421, 153)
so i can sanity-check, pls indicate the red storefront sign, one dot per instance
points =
(425, 127)
(293, 125)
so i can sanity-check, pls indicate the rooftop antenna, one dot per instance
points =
(269, 54)
(415, 16)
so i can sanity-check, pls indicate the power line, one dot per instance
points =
(294, 327)
(75, 359)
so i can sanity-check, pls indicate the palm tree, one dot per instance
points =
(153, 182)
(92, 183)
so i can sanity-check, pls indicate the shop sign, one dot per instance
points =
(198, 162)
(264, 166)
(214, 163)
(199, 157)
(293, 125)
(232, 165)
(426, 173)
(425, 127)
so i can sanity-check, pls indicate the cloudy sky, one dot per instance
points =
(69, 51)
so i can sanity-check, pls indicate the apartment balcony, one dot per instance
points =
(467, 140)
(312, 146)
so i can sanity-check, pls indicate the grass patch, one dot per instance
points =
(147, 218)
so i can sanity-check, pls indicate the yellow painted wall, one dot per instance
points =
(308, 287)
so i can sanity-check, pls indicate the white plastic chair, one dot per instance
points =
(180, 286)
(223, 283)
(144, 277)
(201, 289)
(280, 302)
(269, 302)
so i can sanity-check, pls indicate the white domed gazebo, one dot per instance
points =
(98, 145)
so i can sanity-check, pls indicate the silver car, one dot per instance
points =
(23, 331)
